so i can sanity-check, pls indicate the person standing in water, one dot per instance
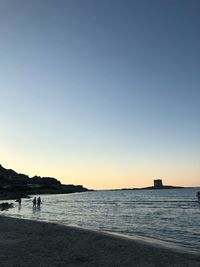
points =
(20, 201)
(34, 202)
(39, 202)
(198, 196)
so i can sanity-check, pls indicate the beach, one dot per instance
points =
(32, 243)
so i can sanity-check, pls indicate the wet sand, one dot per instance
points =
(29, 243)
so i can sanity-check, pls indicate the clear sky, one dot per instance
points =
(101, 93)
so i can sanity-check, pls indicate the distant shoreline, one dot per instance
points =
(153, 188)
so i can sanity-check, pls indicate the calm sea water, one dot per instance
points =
(166, 215)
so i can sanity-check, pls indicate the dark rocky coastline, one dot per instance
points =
(14, 185)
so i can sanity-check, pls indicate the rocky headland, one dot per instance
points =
(15, 185)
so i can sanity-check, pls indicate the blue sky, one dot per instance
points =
(101, 93)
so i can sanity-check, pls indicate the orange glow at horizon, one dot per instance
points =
(95, 177)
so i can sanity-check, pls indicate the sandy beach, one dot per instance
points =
(31, 243)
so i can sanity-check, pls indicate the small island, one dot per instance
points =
(157, 184)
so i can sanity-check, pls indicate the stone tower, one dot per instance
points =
(158, 183)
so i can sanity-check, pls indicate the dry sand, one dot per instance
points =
(34, 244)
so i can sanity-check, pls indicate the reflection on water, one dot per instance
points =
(19, 207)
(171, 215)
(36, 212)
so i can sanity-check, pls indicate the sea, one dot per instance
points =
(169, 217)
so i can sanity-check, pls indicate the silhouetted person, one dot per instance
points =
(39, 202)
(19, 200)
(34, 202)
(198, 195)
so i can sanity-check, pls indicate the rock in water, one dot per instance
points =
(5, 206)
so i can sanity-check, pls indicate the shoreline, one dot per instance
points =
(154, 242)
(32, 243)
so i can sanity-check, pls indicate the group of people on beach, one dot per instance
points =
(36, 202)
